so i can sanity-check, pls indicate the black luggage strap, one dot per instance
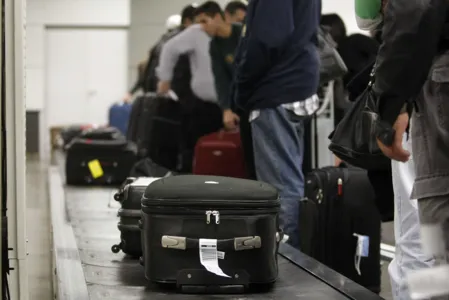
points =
(235, 244)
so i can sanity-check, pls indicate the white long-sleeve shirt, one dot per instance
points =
(194, 42)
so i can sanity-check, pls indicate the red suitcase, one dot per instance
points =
(220, 154)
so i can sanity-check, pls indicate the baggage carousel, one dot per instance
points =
(84, 225)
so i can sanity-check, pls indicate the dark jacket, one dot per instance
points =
(412, 36)
(277, 60)
(150, 78)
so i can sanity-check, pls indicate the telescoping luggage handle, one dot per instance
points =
(236, 244)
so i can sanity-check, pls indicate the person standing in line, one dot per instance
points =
(225, 38)
(276, 80)
(411, 78)
(235, 12)
(409, 255)
(194, 42)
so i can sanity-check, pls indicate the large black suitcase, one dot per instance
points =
(129, 196)
(137, 118)
(114, 158)
(164, 132)
(339, 205)
(240, 216)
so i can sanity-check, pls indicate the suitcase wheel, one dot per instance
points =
(118, 197)
(116, 248)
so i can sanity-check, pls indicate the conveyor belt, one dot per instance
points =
(85, 227)
(92, 213)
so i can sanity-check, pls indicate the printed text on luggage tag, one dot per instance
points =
(209, 257)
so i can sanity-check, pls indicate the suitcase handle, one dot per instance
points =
(235, 244)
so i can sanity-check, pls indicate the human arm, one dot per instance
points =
(182, 43)
(411, 33)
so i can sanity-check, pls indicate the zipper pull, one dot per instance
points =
(217, 216)
(340, 187)
(208, 213)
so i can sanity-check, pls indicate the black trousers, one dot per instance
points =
(247, 144)
(202, 118)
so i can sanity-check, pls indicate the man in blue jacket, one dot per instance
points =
(277, 74)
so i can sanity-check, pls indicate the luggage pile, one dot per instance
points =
(99, 156)
(202, 233)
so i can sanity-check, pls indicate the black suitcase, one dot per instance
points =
(339, 203)
(102, 133)
(241, 215)
(115, 158)
(147, 168)
(164, 132)
(129, 196)
(137, 117)
(69, 133)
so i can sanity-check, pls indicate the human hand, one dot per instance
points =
(127, 98)
(338, 161)
(396, 151)
(230, 120)
(163, 87)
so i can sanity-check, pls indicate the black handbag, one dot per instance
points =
(332, 65)
(354, 140)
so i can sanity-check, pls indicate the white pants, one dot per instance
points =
(409, 255)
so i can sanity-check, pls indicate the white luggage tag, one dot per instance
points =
(362, 250)
(172, 95)
(209, 256)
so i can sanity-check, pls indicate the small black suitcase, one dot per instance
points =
(102, 133)
(240, 216)
(129, 196)
(147, 168)
(115, 158)
(339, 205)
(69, 133)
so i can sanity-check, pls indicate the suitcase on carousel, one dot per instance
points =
(129, 196)
(69, 133)
(192, 224)
(220, 154)
(99, 162)
(119, 114)
(162, 138)
(340, 225)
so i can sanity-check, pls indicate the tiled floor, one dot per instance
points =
(38, 231)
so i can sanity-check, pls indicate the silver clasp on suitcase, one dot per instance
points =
(247, 243)
(214, 213)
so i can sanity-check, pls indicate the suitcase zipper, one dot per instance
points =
(211, 203)
(211, 213)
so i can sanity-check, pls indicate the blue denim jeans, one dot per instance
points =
(409, 255)
(278, 142)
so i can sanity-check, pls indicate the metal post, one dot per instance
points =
(15, 145)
